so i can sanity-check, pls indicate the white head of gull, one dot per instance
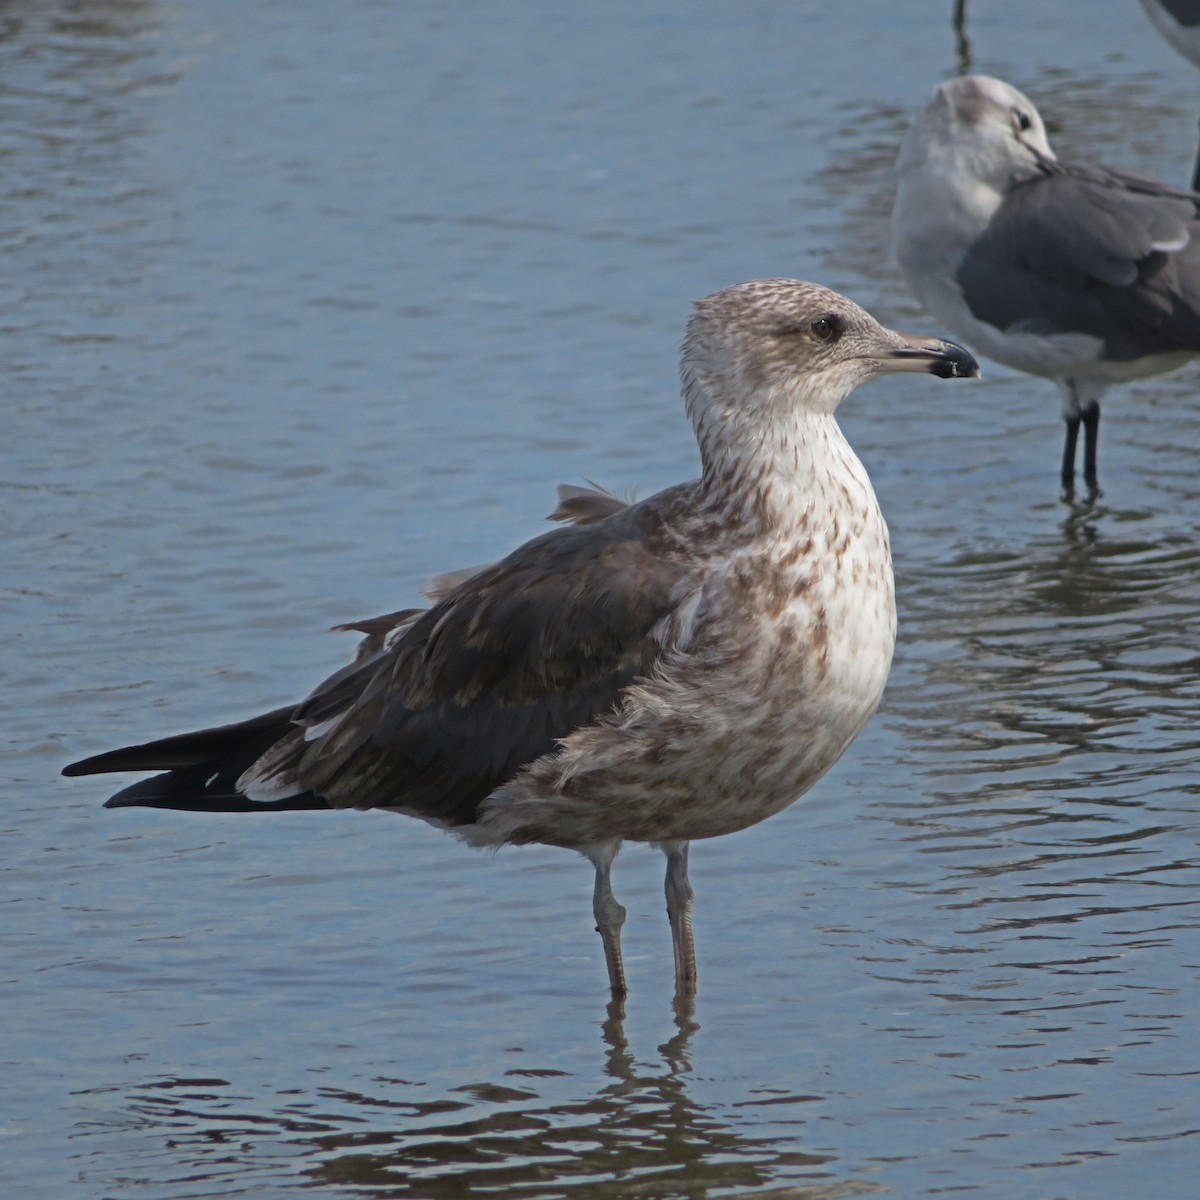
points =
(1075, 272)
(678, 668)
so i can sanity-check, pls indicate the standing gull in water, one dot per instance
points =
(1082, 274)
(678, 668)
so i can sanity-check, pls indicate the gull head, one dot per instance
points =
(978, 129)
(758, 352)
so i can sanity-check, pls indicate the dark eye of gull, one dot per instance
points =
(1023, 120)
(829, 327)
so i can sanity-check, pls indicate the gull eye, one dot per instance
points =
(1022, 120)
(828, 328)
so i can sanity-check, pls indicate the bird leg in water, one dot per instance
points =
(609, 914)
(679, 910)
(1091, 435)
(1068, 458)
(1075, 413)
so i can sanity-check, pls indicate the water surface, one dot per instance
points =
(303, 304)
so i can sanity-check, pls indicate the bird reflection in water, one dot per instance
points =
(642, 1124)
(534, 1132)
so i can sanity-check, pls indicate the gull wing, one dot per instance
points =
(441, 706)
(516, 657)
(1081, 249)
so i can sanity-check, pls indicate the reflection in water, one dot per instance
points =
(1075, 646)
(1055, 715)
(640, 1133)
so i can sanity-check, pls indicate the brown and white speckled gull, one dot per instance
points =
(660, 671)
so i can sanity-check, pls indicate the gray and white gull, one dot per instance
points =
(1079, 273)
(672, 669)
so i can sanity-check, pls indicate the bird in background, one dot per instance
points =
(1179, 23)
(1076, 272)
(678, 668)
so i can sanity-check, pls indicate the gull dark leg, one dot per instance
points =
(1072, 415)
(1196, 173)
(963, 43)
(1091, 436)
(679, 910)
(1068, 458)
(609, 914)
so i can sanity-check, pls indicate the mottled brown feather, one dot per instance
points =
(513, 659)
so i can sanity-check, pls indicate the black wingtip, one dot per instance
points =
(71, 770)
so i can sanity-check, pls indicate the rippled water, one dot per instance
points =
(304, 303)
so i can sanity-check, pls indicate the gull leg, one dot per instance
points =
(679, 910)
(963, 43)
(609, 914)
(1196, 173)
(1091, 435)
(1072, 415)
(1068, 459)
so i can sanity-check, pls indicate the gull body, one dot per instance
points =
(1085, 275)
(674, 669)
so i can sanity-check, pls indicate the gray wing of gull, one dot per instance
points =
(490, 678)
(1081, 249)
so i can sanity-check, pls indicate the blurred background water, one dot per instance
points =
(303, 303)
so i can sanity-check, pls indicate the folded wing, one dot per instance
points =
(442, 706)
(1080, 249)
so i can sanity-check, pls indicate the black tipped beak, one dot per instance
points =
(946, 360)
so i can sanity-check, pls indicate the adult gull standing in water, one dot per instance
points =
(1079, 273)
(678, 668)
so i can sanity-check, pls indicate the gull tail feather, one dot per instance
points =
(201, 769)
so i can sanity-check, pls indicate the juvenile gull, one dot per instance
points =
(678, 668)
(1082, 274)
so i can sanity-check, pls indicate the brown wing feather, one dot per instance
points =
(510, 661)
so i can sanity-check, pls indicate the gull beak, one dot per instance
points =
(919, 352)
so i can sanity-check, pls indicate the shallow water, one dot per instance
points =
(303, 304)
